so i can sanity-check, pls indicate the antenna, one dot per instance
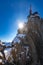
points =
(30, 9)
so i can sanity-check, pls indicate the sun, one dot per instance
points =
(20, 25)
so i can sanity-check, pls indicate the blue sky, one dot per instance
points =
(13, 10)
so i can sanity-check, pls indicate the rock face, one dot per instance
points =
(33, 31)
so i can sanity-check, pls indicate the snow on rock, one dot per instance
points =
(1, 54)
(7, 52)
(16, 39)
(0, 60)
(21, 35)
